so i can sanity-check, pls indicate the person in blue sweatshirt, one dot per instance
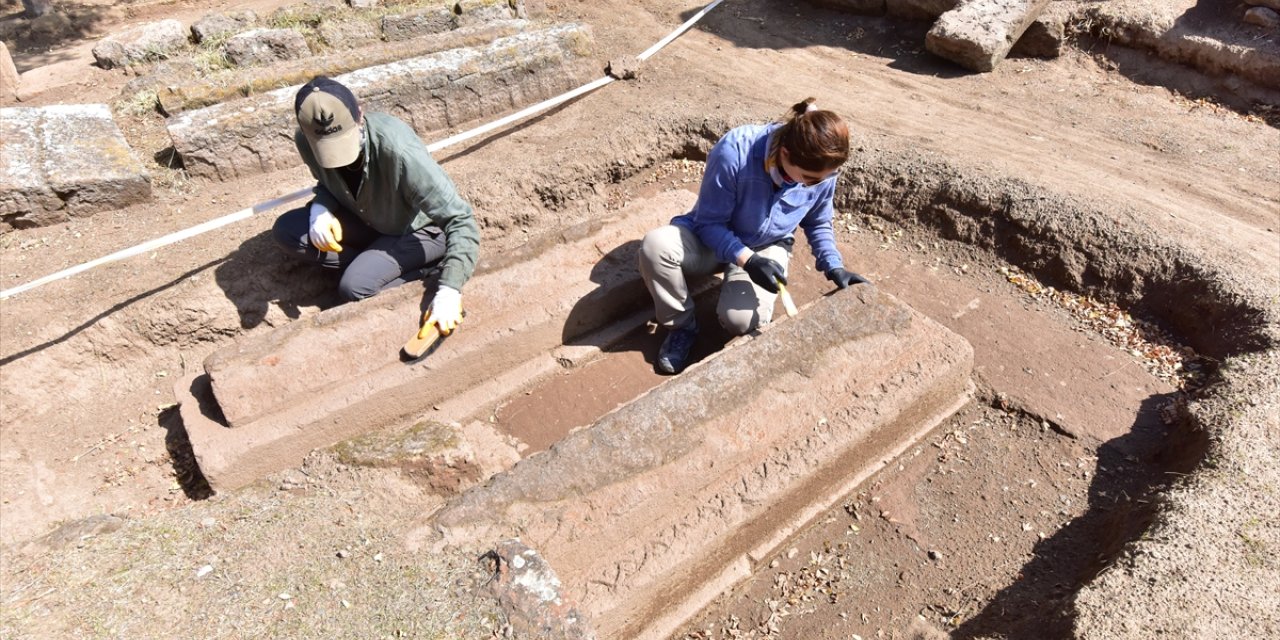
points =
(761, 183)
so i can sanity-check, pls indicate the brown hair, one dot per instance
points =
(815, 139)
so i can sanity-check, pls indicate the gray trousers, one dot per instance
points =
(370, 261)
(669, 255)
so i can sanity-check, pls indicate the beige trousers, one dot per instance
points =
(670, 255)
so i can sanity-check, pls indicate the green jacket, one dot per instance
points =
(403, 190)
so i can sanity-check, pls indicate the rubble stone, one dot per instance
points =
(149, 41)
(626, 68)
(532, 596)
(217, 25)
(54, 24)
(978, 34)
(264, 46)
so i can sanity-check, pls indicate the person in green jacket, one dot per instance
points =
(384, 212)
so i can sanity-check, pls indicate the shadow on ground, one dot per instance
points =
(114, 308)
(36, 42)
(258, 274)
(797, 24)
(186, 470)
(1130, 470)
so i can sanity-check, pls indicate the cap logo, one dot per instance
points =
(323, 122)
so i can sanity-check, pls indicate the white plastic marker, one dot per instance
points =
(242, 214)
(248, 212)
(788, 304)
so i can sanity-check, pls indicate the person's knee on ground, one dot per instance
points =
(372, 273)
(352, 289)
(290, 232)
(367, 275)
(743, 307)
(739, 310)
(739, 322)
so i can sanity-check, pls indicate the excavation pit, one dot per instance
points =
(1112, 186)
(593, 361)
(774, 428)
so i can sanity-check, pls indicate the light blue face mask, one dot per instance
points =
(778, 178)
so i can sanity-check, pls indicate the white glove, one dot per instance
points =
(326, 231)
(446, 309)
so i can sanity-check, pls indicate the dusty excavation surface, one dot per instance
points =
(1080, 253)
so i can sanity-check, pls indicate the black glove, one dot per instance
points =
(763, 272)
(844, 278)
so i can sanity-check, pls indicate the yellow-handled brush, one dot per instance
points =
(788, 304)
(428, 334)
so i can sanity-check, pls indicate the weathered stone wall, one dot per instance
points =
(1163, 29)
(183, 91)
(447, 89)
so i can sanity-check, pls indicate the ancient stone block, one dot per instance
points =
(185, 90)
(255, 134)
(978, 34)
(272, 416)
(477, 11)
(65, 160)
(421, 22)
(25, 197)
(1044, 38)
(9, 78)
(755, 442)
(341, 35)
(149, 41)
(264, 46)
(216, 25)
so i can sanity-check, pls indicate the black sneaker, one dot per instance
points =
(673, 357)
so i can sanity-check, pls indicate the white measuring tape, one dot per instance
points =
(302, 193)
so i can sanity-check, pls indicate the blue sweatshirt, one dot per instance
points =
(739, 205)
